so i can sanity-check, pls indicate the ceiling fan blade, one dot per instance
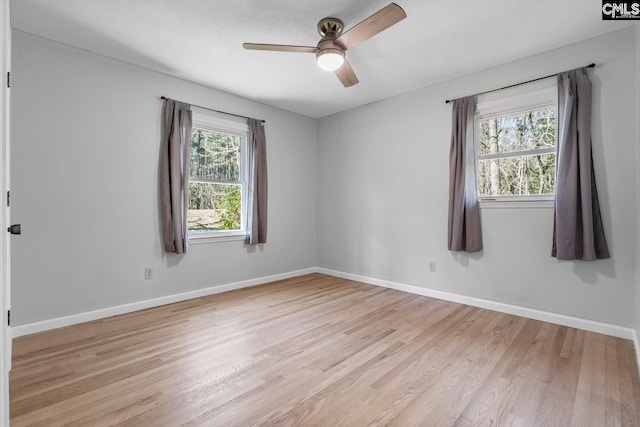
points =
(379, 21)
(280, 47)
(346, 75)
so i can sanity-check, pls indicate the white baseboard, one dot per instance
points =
(59, 322)
(530, 313)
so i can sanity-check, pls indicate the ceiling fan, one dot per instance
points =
(330, 51)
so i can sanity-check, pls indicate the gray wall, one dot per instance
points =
(383, 192)
(85, 149)
(85, 158)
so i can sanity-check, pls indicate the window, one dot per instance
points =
(217, 178)
(516, 147)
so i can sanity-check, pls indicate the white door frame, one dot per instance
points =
(5, 331)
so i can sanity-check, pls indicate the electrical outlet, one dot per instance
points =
(148, 273)
(432, 267)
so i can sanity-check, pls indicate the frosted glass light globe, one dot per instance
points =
(330, 61)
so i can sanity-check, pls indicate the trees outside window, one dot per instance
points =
(217, 184)
(516, 147)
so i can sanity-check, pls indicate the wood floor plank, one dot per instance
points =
(318, 350)
(628, 398)
(495, 397)
(456, 384)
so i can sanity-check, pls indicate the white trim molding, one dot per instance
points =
(529, 313)
(60, 322)
(5, 243)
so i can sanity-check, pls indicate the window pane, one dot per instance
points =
(523, 131)
(215, 155)
(515, 176)
(214, 207)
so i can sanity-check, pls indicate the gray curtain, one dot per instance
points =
(465, 233)
(257, 203)
(577, 230)
(174, 174)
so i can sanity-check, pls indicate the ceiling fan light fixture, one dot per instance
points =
(330, 51)
(330, 59)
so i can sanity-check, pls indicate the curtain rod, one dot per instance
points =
(217, 111)
(592, 65)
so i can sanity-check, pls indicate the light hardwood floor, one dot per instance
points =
(322, 351)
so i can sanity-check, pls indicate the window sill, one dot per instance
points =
(517, 204)
(199, 240)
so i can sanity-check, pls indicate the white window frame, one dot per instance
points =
(216, 124)
(509, 106)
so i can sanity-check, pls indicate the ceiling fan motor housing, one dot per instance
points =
(330, 28)
(328, 46)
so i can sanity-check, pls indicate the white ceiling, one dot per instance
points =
(201, 40)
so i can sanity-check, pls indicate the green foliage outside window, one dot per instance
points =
(213, 204)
